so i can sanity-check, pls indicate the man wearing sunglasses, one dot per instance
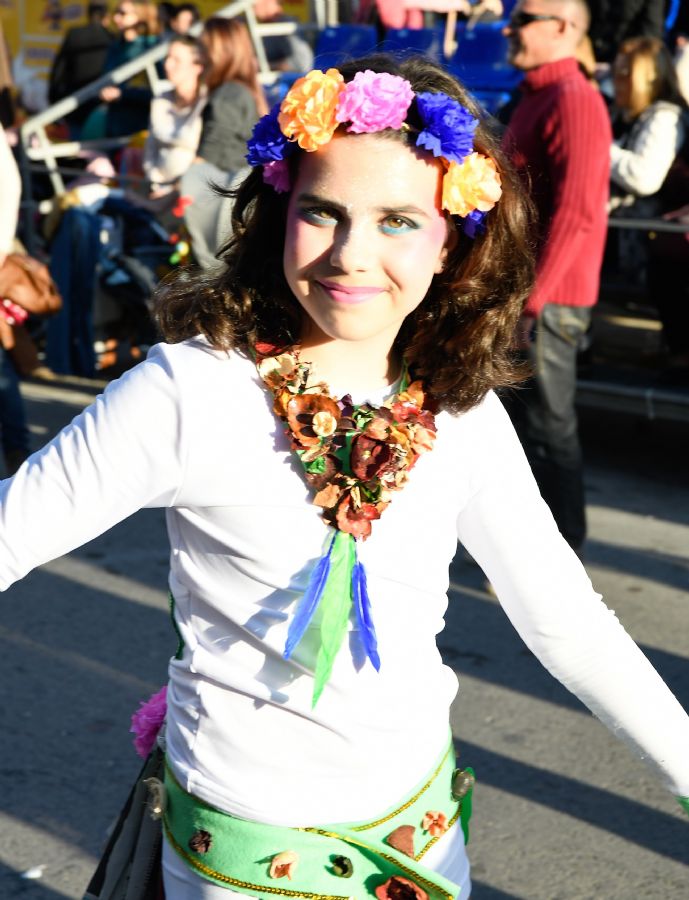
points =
(559, 138)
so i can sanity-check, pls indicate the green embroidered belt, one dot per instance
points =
(381, 858)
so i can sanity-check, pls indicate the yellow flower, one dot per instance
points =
(324, 424)
(475, 184)
(307, 113)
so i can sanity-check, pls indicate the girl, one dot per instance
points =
(174, 128)
(649, 119)
(321, 428)
(235, 102)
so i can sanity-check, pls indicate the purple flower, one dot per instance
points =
(474, 223)
(267, 142)
(147, 720)
(448, 126)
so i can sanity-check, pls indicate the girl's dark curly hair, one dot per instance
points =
(460, 338)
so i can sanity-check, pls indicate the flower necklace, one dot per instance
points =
(354, 457)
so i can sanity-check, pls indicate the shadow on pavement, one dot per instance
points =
(12, 887)
(493, 651)
(656, 831)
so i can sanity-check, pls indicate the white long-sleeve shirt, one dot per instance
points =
(192, 430)
(640, 162)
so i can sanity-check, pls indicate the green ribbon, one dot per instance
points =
(336, 605)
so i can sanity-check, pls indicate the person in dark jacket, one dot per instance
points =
(79, 61)
(125, 108)
(613, 21)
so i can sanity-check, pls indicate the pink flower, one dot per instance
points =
(373, 101)
(147, 720)
(435, 823)
(276, 174)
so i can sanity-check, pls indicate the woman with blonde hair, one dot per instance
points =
(235, 103)
(649, 120)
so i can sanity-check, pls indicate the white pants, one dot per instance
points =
(447, 857)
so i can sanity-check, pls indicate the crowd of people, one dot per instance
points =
(168, 188)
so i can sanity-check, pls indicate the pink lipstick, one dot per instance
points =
(342, 293)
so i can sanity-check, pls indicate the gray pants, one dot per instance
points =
(209, 218)
(545, 417)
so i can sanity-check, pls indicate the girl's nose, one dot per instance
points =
(353, 247)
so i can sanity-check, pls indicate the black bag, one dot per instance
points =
(130, 868)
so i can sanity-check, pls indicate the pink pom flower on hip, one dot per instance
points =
(147, 720)
(373, 101)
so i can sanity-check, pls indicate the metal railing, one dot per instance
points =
(36, 144)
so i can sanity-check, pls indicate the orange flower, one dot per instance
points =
(284, 864)
(422, 439)
(307, 113)
(435, 823)
(413, 394)
(275, 370)
(324, 423)
(356, 522)
(328, 496)
(475, 184)
(377, 428)
(301, 411)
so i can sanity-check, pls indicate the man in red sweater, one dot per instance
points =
(559, 139)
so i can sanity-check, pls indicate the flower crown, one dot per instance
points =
(319, 102)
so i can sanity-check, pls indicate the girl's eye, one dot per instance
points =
(397, 225)
(319, 215)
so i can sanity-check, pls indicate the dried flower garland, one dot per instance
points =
(319, 102)
(355, 457)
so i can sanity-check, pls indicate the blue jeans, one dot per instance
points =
(14, 433)
(544, 415)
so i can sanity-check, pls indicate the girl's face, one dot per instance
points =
(365, 236)
(182, 67)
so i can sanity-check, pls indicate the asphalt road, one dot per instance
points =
(562, 810)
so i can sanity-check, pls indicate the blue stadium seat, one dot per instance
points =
(483, 44)
(338, 43)
(480, 60)
(407, 41)
(491, 101)
(275, 92)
